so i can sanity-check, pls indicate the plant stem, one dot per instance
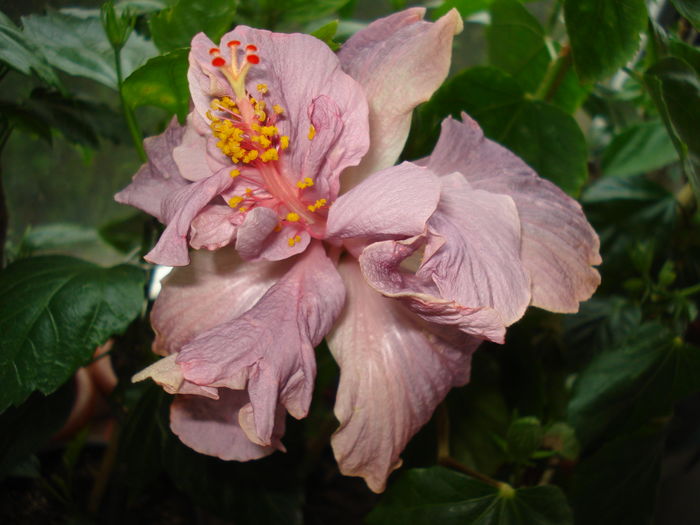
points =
(554, 75)
(128, 112)
(105, 471)
(443, 450)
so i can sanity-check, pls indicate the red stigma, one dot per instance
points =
(251, 47)
(218, 62)
(234, 43)
(253, 59)
(214, 50)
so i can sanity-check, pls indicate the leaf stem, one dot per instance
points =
(443, 450)
(554, 76)
(128, 111)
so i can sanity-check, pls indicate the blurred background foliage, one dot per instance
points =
(589, 418)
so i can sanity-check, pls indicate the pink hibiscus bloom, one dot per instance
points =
(405, 272)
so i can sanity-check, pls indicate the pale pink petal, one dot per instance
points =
(383, 267)
(397, 201)
(158, 178)
(304, 77)
(558, 244)
(393, 373)
(273, 343)
(211, 426)
(166, 373)
(400, 61)
(214, 227)
(193, 159)
(179, 210)
(215, 288)
(471, 263)
(259, 237)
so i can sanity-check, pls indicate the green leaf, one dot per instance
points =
(466, 8)
(26, 120)
(54, 311)
(125, 234)
(305, 10)
(25, 429)
(524, 438)
(161, 82)
(639, 149)
(601, 323)
(20, 53)
(604, 34)
(437, 495)
(79, 121)
(174, 27)
(690, 9)
(326, 34)
(561, 438)
(516, 44)
(546, 137)
(78, 45)
(690, 54)
(675, 88)
(627, 386)
(616, 485)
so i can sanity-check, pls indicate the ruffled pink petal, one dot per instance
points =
(215, 288)
(158, 178)
(305, 78)
(214, 227)
(470, 275)
(393, 373)
(179, 210)
(397, 201)
(400, 60)
(211, 426)
(271, 345)
(558, 244)
(383, 264)
(192, 157)
(259, 237)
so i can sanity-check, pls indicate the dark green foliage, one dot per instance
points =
(54, 311)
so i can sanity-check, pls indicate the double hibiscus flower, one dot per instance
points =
(283, 183)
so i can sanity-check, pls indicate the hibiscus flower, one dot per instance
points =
(406, 271)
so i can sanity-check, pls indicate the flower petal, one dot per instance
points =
(471, 263)
(214, 289)
(558, 244)
(393, 373)
(393, 202)
(179, 210)
(272, 344)
(400, 60)
(193, 159)
(158, 178)
(211, 426)
(214, 227)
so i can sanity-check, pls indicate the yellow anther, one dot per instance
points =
(309, 182)
(269, 131)
(235, 173)
(250, 156)
(264, 141)
(293, 217)
(269, 154)
(312, 132)
(243, 209)
(278, 109)
(235, 201)
(294, 240)
(278, 227)
(256, 127)
(301, 185)
(262, 116)
(214, 104)
(320, 203)
(262, 88)
(284, 142)
(248, 191)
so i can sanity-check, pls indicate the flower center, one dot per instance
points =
(247, 133)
